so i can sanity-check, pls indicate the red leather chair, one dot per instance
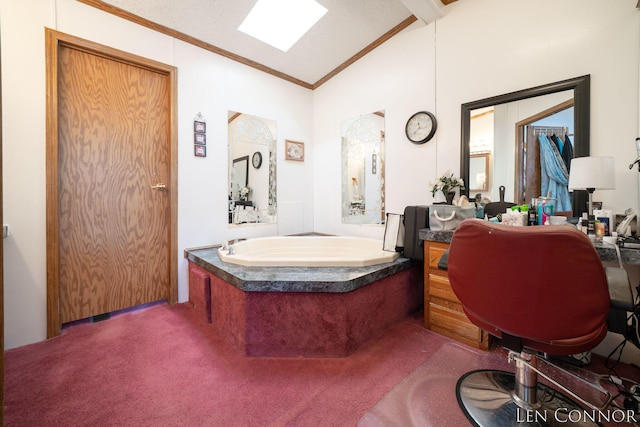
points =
(541, 290)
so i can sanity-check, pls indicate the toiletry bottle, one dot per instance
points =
(533, 220)
(591, 227)
(599, 226)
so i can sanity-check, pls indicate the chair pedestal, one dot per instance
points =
(496, 398)
(525, 392)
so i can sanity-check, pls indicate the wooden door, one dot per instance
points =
(532, 175)
(114, 169)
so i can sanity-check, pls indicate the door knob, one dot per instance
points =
(159, 186)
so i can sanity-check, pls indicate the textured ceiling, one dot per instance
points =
(348, 28)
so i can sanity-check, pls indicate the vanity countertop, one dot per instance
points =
(607, 252)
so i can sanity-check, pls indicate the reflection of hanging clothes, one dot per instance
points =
(553, 173)
(558, 143)
(567, 152)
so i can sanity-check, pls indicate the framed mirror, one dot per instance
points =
(507, 169)
(479, 172)
(252, 184)
(363, 174)
(239, 176)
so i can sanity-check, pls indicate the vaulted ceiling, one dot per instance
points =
(349, 30)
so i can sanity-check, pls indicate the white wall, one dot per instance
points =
(511, 45)
(207, 83)
(397, 78)
(479, 49)
(482, 48)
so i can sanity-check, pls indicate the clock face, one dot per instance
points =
(421, 127)
(256, 160)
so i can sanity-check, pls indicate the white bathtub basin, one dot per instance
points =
(308, 251)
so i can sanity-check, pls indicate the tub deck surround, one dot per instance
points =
(304, 311)
(293, 279)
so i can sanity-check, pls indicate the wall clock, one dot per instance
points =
(421, 127)
(256, 160)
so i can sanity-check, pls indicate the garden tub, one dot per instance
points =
(307, 251)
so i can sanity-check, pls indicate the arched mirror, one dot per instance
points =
(503, 127)
(252, 169)
(363, 178)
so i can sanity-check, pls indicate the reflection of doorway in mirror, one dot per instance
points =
(239, 176)
(556, 120)
(479, 172)
(481, 145)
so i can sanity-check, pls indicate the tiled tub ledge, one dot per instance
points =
(301, 311)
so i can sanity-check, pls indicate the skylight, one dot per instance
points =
(281, 23)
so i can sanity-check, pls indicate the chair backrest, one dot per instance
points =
(544, 285)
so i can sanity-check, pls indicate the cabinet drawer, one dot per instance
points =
(482, 344)
(451, 305)
(439, 287)
(435, 253)
(455, 323)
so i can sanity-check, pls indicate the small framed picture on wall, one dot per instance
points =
(293, 150)
(199, 127)
(200, 151)
(200, 138)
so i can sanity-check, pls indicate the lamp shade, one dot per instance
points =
(592, 173)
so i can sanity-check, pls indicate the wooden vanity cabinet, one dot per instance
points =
(442, 309)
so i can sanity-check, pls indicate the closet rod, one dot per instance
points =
(553, 129)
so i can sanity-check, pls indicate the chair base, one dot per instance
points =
(486, 398)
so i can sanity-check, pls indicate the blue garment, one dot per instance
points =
(553, 174)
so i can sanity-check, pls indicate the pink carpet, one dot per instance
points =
(163, 366)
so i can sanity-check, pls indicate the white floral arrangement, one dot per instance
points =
(446, 183)
(244, 193)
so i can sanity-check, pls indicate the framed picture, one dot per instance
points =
(200, 138)
(200, 151)
(199, 127)
(293, 150)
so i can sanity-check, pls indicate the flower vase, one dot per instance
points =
(449, 197)
(438, 198)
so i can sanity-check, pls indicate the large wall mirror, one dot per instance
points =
(252, 169)
(363, 178)
(506, 129)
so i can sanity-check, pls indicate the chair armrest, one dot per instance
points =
(444, 260)
(619, 288)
